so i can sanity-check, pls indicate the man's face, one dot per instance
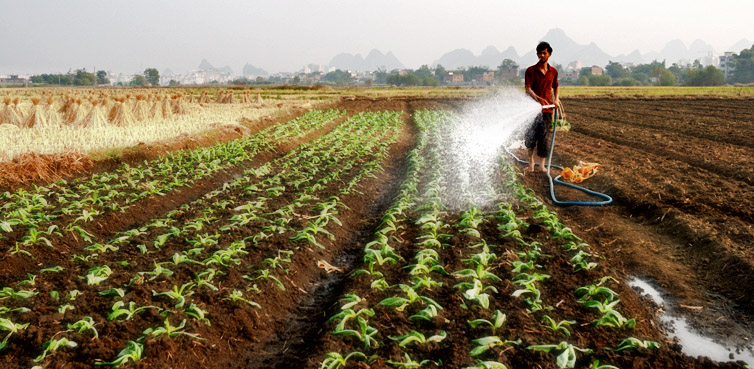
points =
(543, 56)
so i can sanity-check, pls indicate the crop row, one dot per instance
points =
(478, 289)
(227, 251)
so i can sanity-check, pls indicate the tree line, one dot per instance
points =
(80, 77)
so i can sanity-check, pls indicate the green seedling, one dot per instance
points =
(632, 343)
(476, 292)
(97, 247)
(567, 356)
(196, 312)
(84, 324)
(596, 365)
(63, 308)
(10, 327)
(496, 322)
(118, 310)
(478, 273)
(132, 351)
(237, 295)
(525, 279)
(157, 272)
(9, 292)
(30, 280)
(364, 333)
(52, 269)
(427, 313)
(265, 274)
(178, 294)
(484, 344)
(73, 294)
(610, 316)
(171, 331)
(53, 345)
(408, 362)
(400, 303)
(334, 360)
(98, 274)
(86, 236)
(203, 278)
(561, 326)
(424, 281)
(487, 365)
(580, 261)
(417, 337)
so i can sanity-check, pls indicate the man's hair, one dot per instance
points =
(544, 45)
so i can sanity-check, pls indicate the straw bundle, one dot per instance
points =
(120, 114)
(8, 114)
(141, 109)
(76, 114)
(36, 115)
(177, 103)
(96, 116)
(259, 99)
(204, 99)
(53, 118)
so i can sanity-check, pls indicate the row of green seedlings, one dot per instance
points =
(594, 296)
(179, 294)
(80, 201)
(352, 321)
(101, 272)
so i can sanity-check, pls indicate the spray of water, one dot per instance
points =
(474, 143)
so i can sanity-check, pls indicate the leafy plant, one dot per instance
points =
(558, 326)
(486, 343)
(53, 345)
(567, 356)
(118, 310)
(334, 360)
(632, 343)
(418, 337)
(132, 351)
(496, 322)
(84, 324)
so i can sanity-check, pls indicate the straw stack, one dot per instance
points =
(8, 114)
(36, 115)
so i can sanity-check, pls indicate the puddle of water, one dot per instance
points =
(694, 344)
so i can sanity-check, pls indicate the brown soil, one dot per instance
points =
(678, 170)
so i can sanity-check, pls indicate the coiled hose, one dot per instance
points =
(607, 199)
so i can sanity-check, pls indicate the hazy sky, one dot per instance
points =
(284, 35)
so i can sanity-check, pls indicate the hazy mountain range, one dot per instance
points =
(565, 50)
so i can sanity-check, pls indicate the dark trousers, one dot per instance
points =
(537, 134)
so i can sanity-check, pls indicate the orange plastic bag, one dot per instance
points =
(580, 172)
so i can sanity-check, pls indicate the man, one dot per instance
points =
(540, 81)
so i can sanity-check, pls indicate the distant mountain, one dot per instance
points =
(205, 65)
(374, 60)
(565, 50)
(250, 70)
(740, 45)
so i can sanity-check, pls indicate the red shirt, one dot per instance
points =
(542, 84)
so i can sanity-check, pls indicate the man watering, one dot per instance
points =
(540, 81)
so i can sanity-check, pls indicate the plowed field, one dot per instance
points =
(260, 259)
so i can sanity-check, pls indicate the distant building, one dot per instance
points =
(509, 73)
(597, 71)
(574, 65)
(14, 79)
(451, 78)
(569, 73)
(710, 59)
(726, 64)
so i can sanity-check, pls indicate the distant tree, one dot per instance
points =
(174, 83)
(744, 64)
(628, 81)
(102, 78)
(380, 75)
(600, 80)
(506, 68)
(474, 72)
(709, 76)
(440, 72)
(84, 78)
(617, 70)
(585, 72)
(338, 77)
(296, 80)
(430, 81)
(138, 80)
(664, 77)
(583, 81)
(152, 76)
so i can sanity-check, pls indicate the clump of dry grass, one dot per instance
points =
(8, 114)
(179, 107)
(34, 167)
(36, 116)
(96, 116)
(120, 114)
(204, 99)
